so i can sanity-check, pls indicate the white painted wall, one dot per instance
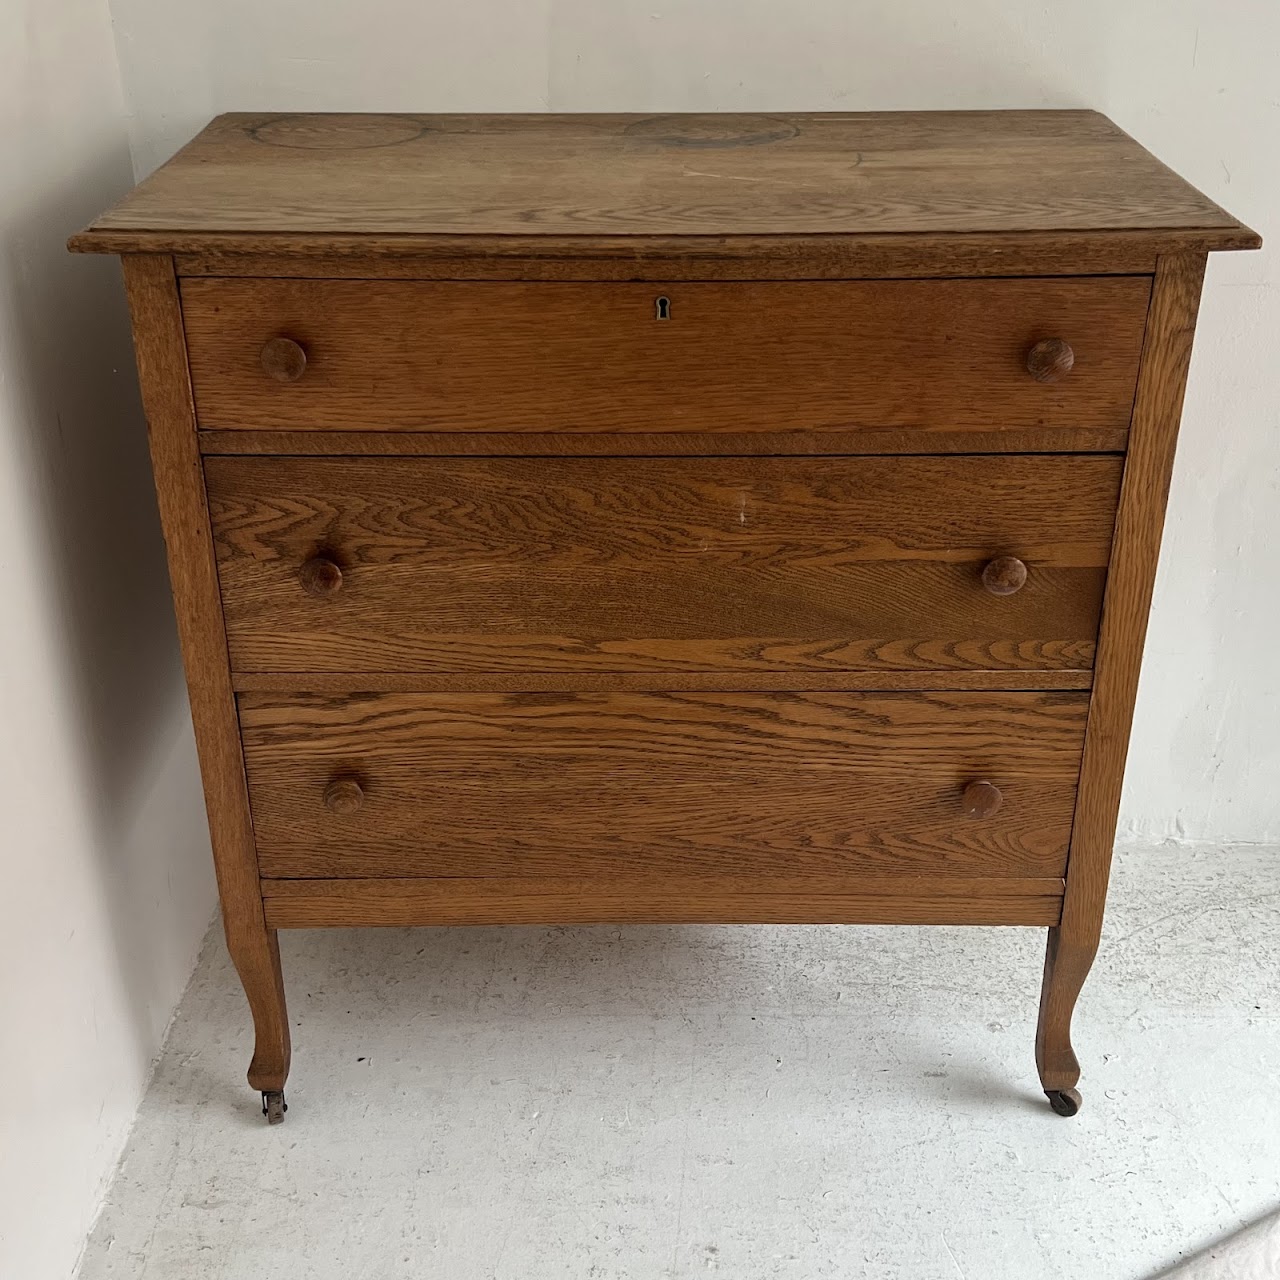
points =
(105, 881)
(1194, 80)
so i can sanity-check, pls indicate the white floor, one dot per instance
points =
(529, 1104)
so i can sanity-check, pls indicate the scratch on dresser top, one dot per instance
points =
(742, 177)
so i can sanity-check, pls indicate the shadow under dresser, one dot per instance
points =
(722, 519)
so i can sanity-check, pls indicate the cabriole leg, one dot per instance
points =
(256, 955)
(1067, 960)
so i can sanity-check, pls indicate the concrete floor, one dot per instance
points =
(529, 1104)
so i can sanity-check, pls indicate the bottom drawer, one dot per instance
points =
(667, 785)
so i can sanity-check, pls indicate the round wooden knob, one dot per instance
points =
(1050, 360)
(1004, 575)
(345, 795)
(283, 359)
(320, 577)
(981, 799)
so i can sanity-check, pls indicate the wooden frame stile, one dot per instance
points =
(152, 288)
(1153, 437)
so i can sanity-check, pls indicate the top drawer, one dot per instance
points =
(934, 355)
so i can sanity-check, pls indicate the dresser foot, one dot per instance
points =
(274, 1106)
(1066, 1102)
(256, 956)
(1068, 956)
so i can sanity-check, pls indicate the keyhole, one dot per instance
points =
(663, 307)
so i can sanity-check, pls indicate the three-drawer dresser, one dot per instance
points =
(690, 519)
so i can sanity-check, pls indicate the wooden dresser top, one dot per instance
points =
(310, 183)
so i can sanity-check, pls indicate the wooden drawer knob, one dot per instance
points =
(320, 577)
(283, 359)
(1004, 575)
(981, 799)
(1050, 360)
(345, 795)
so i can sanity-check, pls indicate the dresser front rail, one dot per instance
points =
(310, 904)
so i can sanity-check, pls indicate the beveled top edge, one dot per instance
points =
(308, 183)
(437, 248)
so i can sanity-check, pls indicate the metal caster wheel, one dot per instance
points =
(1066, 1102)
(274, 1106)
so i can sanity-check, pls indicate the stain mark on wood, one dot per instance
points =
(352, 133)
(712, 132)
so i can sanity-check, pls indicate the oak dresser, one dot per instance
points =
(666, 519)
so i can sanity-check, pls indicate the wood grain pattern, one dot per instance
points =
(690, 783)
(309, 904)
(419, 355)
(671, 444)
(710, 175)
(1139, 522)
(676, 564)
(162, 370)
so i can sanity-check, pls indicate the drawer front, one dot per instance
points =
(628, 783)
(935, 355)
(653, 564)
(707, 784)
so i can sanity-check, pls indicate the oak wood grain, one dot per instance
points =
(310, 904)
(625, 783)
(699, 175)
(940, 355)
(166, 397)
(1139, 522)
(677, 564)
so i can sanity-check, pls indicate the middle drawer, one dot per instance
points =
(653, 564)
